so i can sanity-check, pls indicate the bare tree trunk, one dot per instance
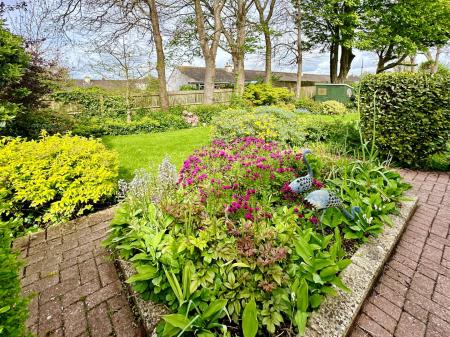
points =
(347, 57)
(239, 53)
(435, 65)
(210, 77)
(412, 60)
(209, 49)
(298, 19)
(239, 73)
(268, 55)
(265, 25)
(334, 57)
(127, 96)
(160, 57)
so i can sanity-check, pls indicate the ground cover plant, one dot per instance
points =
(13, 306)
(231, 250)
(54, 178)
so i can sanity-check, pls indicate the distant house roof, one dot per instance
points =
(109, 84)
(197, 75)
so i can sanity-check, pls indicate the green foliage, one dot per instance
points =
(396, 29)
(13, 307)
(309, 105)
(268, 123)
(54, 178)
(206, 112)
(250, 319)
(441, 69)
(264, 94)
(333, 108)
(230, 234)
(93, 102)
(30, 124)
(13, 64)
(439, 161)
(410, 115)
(336, 130)
(375, 189)
(188, 87)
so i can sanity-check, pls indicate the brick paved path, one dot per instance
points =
(412, 297)
(77, 289)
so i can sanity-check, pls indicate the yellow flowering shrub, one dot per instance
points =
(268, 123)
(54, 178)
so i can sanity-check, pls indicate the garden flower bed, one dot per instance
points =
(229, 249)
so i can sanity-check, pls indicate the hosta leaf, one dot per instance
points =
(250, 319)
(328, 271)
(144, 273)
(302, 296)
(315, 300)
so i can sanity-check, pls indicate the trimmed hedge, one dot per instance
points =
(409, 112)
(13, 307)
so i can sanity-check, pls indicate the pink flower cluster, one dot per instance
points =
(237, 174)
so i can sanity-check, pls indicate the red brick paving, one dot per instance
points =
(77, 290)
(412, 296)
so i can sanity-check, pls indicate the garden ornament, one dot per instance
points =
(304, 183)
(323, 199)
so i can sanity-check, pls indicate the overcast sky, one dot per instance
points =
(79, 61)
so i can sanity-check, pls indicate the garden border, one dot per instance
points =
(336, 315)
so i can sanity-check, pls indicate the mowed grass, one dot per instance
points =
(148, 150)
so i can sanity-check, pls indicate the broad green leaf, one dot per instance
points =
(328, 271)
(187, 278)
(301, 318)
(144, 273)
(338, 283)
(250, 319)
(302, 249)
(175, 285)
(177, 320)
(315, 300)
(4, 309)
(302, 296)
(214, 308)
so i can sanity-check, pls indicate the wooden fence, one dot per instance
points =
(183, 98)
(176, 98)
(308, 91)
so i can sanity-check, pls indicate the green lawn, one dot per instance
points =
(148, 150)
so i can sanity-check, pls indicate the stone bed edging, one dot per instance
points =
(336, 314)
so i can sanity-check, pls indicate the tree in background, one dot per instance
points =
(14, 65)
(397, 30)
(332, 26)
(238, 41)
(209, 40)
(121, 57)
(121, 17)
(266, 9)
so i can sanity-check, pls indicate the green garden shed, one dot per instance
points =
(336, 92)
